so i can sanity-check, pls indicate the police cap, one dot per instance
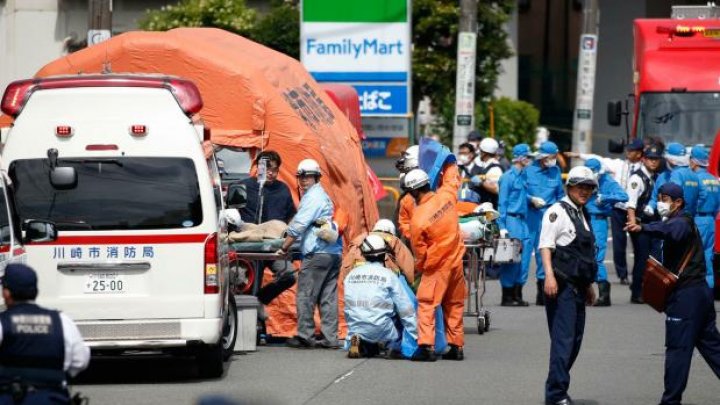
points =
(671, 190)
(20, 278)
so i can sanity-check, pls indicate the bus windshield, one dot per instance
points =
(688, 118)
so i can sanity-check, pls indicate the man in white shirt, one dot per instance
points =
(488, 177)
(640, 189)
(567, 247)
(621, 170)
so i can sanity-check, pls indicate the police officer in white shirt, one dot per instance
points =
(567, 247)
(38, 347)
(621, 170)
(640, 189)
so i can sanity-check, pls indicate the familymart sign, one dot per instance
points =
(365, 43)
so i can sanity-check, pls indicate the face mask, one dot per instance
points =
(463, 159)
(550, 162)
(663, 208)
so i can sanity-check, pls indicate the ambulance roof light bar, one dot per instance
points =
(18, 92)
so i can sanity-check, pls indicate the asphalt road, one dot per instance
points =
(621, 362)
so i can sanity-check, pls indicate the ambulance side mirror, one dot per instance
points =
(236, 195)
(616, 146)
(38, 231)
(63, 178)
(614, 113)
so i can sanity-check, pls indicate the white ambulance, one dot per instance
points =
(116, 162)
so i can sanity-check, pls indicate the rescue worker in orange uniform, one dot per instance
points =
(439, 249)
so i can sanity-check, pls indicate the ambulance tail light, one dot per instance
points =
(138, 130)
(184, 91)
(212, 284)
(63, 131)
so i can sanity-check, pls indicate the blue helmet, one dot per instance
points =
(594, 165)
(547, 148)
(700, 155)
(521, 150)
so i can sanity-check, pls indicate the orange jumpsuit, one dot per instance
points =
(407, 203)
(439, 249)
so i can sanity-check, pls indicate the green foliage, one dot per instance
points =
(230, 15)
(280, 29)
(515, 120)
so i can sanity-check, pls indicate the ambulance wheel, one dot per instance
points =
(230, 328)
(487, 321)
(210, 361)
(481, 325)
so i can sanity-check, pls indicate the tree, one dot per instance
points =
(230, 15)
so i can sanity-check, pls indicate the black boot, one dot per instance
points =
(455, 353)
(518, 296)
(424, 353)
(540, 298)
(603, 294)
(508, 298)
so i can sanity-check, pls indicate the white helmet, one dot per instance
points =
(415, 179)
(409, 159)
(385, 225)
(489, 145)
(373, 245)
(581, 175)
(308, 167)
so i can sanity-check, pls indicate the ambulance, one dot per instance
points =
(116, 162)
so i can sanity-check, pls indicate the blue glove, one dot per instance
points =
(476, 180)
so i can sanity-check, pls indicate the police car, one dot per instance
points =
(117, 163)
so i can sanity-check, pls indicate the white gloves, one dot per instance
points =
(537, 202)
(503, 233)
(649, 211)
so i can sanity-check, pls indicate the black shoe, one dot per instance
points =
(603, 294)
(424, 353)
(540, 298)
(394, 355)
(518, 296)
(354, 352)
(455, 353)
(508, 298)
(624, 281)
(637, 300)
(297, 342)
(327, 345)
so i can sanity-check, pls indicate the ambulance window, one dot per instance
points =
(111, 193)
(234, 163)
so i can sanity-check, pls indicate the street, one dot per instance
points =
(621, 362)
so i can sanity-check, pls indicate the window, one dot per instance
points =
(111, 193)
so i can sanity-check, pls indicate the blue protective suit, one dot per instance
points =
(513, 208)
(707, 208)
(374, 299)
(315, 204)
(684, 177)
(662, 178)
(547, 184)
(600, 208)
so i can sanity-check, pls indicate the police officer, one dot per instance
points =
(486, 181)
(690, 321)
(599, 207)
(466, 161)
(38, 346)
(708, 205)
(642, 183)
(513, 208)
(544, 189)
(621, 170)
(567, 247)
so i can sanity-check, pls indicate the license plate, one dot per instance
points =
(105, 283)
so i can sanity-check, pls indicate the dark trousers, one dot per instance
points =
(618, 218)
(690, 323)
(39, 397)
(644, 246)
(566, 321)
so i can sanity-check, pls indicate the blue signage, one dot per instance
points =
(382, 99)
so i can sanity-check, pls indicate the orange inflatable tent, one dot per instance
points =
(254, 97)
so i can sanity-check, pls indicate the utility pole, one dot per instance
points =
(465, 78)
(582, 119)
(99, 21)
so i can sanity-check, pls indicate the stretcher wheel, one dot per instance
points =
(486, 316)
(481, 325)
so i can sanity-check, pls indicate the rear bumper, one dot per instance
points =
(150, 334)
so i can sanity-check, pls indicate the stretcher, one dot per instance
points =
(483, 249)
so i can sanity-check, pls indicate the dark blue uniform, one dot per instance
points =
(33, 351)
(643, 244)
(690, 311)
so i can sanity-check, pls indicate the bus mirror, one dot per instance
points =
(614, 113)
(236, 195)
(616, 146)
(40, 231)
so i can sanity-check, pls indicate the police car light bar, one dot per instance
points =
(18, 92)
